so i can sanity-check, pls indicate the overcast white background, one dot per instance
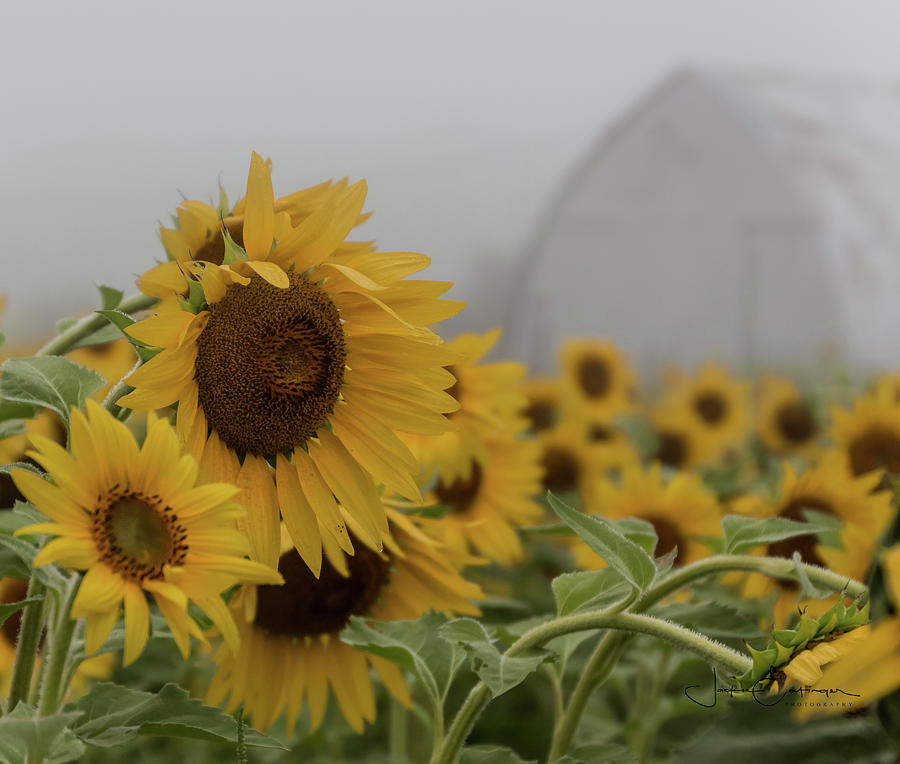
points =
(463, 116)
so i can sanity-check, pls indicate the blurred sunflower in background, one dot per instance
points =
(786, 422)
(869, 433)
(300, 345)
(863, 512)
(567, 464)
(137, 522)
(597, 375)
(543, 406)
(680, 444)
(291, 652)
(681, 510)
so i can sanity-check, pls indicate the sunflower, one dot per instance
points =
(97, 668)
(543, 404)
(490, 404)
(486, 506)
(680, 444)
(681, 510)
(870, 434)
(304, 352)
(786, 422)
(715, 402)
(872, 669)
(291, 649)
(568, 465)
(597, 375)
(136, 521)
(863, 510)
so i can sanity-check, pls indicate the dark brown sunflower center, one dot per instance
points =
(541, 414)
(710, 407)
(270, 365)
(669, 537)
(15, 590)
(795, 422)
(594, 377)
(136, 536)
(213, 249)
(875, 449)
(462, 492)
(805, 545)
(561, 469)
(598, 433)
(673, 449)
(307, 606)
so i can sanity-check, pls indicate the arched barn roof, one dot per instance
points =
(748, 217)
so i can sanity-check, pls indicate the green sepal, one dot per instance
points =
(223, 209)
(233, 252)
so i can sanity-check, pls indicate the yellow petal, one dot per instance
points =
(49, 499)
(101, 589)
(76, 553)
(298, 515)
(137, 623)
(270, 272)
(96, 629)
(259, 210)
(219, 614)
(259, 498)
(321, 499)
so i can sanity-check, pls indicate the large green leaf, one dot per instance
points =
(48, 736)
(599, 753)
(25, 548)
(742, 534)
(48, 381)
(589, 590)
(112, 715)
(498, 671)
(491, 754)
(626, 556)
(412, 645)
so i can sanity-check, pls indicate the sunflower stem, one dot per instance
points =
(438, 728)
(30, 629)
(117, 391)
(480, 696)
(54, 687)
(62, 343)
(397, 732)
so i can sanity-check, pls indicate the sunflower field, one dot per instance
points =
(260, 511)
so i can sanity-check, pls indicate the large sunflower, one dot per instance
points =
(490, 404)
(597, 375)
(715, 402)
(291, 650)
(305, 348)
(786, 422)
(870, 434)
(682, 511)
(136, 521)
(863, 511)
(486, 506)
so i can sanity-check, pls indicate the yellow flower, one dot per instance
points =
(597, 375)
(682, 511)
(681, 445)
(786, 422)
(490, 403)
(715, 403)
(291, 650)
(311, 349)
(497, 496)
(863, 510)
(138, 523)
(543, 408)
(567, 463)
(872, 669)
(870, 433)
(805, 668)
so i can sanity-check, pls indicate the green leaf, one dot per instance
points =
(412, 645)
(589, 590)
(11, 427)
(109, 297)
(711, 618)
(11, 410)
(640, 432)
(48, 736)
(2, 339)
(808, 588)
(8, 609)
(744, 533)
(24, 549)
(112, 715)
(629, 558)
(491, 754)
(48, 381)
(498, 671)
(115, 642)
(102, 336)
(5, 469)
(599, 753)
(639, 531)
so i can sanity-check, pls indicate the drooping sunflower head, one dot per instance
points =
(301, 345)
(861, 513)
(598, 375)
(715, 402)
(787, 423)
(291, 652)
(137, 522)
(681, 510)
(869, 434)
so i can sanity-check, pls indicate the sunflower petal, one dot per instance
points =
(259, 210)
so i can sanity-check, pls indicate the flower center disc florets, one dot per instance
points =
(270, 365)
(136, 535)
(561, 469)
(594, 377)
(307, 606)
(673, 449)
(875, 449)
(668, 537)
(710, 407)
(796, 422)
(462, 492)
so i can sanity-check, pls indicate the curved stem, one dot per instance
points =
(55, 687)
(118, 390)
(85, 327)
(680, 636)
(30, 629)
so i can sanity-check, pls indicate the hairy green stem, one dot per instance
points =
(62, 343)
(397, 731)
(680, 636)
(438, 728)
(117, 391)
(30, 629)
(55, 687)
